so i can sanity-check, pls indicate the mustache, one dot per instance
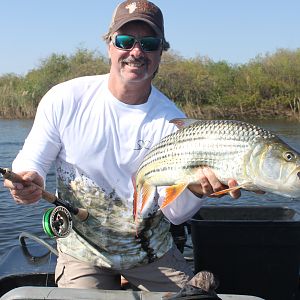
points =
(135, 60)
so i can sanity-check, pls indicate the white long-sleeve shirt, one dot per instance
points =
(97, 143)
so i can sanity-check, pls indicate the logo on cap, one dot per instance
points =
(141, 7)
(131, 7)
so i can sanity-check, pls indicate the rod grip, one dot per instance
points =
(13, 177)
(81, 213)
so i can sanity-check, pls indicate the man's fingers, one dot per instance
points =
(208, 183)
(30, 176)
(27, 195)
(204, 182)
(12, 185)
(27, 178)
(27, 192)
(236, 193)
(212, 180)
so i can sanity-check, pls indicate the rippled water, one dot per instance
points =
(15, 218)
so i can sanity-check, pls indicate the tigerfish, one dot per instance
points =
(256, 158)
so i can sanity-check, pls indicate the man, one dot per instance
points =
(97, 129)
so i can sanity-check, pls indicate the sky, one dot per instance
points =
(234, 31)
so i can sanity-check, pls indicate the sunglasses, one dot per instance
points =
(127, 42)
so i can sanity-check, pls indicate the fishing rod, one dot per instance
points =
(57, 222)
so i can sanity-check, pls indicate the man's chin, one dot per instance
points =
(133, 77)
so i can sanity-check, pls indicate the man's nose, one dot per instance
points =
(137, 49)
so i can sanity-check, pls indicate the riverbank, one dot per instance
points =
(202, 112)
(266, 87)
(214, 112)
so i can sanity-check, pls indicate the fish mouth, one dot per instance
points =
(291, 182)
(293, 173)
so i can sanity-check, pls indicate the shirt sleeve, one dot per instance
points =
(182, 208)
(42, 145)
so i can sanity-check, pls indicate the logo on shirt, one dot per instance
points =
(146, 144)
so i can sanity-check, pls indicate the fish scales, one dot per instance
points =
(232, 149)
(204, 142)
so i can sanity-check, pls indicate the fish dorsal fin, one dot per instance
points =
(183, 122)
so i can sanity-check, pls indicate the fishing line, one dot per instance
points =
(51, 251)
(49, 263)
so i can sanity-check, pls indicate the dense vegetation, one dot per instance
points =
(265, 87)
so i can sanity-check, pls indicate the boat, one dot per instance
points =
(27, 272)
(25, 265)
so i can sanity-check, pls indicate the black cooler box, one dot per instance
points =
(253, 250)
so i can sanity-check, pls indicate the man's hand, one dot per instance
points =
(209, 183)
(26, 193)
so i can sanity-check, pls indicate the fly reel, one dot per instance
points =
(57, 222)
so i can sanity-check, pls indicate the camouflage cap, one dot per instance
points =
(138, 10)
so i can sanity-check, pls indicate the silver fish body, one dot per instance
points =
(256, 158)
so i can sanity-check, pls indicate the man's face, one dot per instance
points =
(134, 65)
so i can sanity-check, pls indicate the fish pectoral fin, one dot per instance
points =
(147, 191)
(172, 192)
(226, 191)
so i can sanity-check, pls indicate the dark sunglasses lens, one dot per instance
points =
(150, 43)
(124, 41)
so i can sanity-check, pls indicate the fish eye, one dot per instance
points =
(289, 156)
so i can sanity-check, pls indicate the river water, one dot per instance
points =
(17, 218)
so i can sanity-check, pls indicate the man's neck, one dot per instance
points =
(130, 93)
